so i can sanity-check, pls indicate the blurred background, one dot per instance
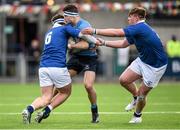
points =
(23, 24)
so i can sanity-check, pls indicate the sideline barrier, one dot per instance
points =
(173, 68)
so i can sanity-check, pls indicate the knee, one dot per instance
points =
(123, 81)
(88, 86)
(66, 91)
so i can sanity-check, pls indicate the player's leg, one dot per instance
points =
(141, 102)
(89, 79)
(46, 90)
(72, 73)
(62, 82)
(151, 77)
(38, 103)
(72, 65)
(44, 99)
(55, 92)
(127, 80)
(61, 96)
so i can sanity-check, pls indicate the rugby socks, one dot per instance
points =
(94, 108)
(47, 109)
(137, 114)
(30, 109)
(135, 97)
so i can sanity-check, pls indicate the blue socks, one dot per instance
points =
(94, 108)
(137, 114)
(30, 109)
(47, 110)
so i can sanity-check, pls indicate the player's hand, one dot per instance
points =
(89, 31)
(101, 42)
(94, 48)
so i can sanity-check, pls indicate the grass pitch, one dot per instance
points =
(161, 112)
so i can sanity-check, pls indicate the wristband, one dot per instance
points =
(94, 31)
(104, 43)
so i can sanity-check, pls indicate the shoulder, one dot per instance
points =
(68, 26)
(84, 24)
(135, 27)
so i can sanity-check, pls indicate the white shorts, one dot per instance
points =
(58, 77)
(150, 75)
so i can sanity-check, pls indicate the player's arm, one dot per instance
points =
(88, 38)
(80, 45)
(111, 32)
(114, 44)
(76, 33)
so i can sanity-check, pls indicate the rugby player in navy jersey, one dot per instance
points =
(53, 70)
(150, 65)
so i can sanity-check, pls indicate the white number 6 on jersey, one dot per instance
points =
(48, 38)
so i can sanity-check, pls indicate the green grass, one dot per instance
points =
(161, 112)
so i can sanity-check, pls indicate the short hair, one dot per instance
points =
(140, 11)
(57, 16)
(71, 8)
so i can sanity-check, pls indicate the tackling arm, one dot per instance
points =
(114, 44)
(88, 38)
(110, 32)
(76, 33)
(105, 32)
(80, 45)
(84, 44)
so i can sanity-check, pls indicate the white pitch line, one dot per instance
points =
(91, 129)
(103, 104)
(102, 113)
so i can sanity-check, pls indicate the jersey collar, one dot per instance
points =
(56, 25)
(141, 21)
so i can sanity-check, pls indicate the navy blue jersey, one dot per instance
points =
(82, 24)
(55, 46)
(148, 44)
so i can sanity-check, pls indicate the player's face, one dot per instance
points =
(68, 19)
(132, 19)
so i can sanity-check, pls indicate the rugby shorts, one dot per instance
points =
(82, 63)
(53, 76)
(150, 75)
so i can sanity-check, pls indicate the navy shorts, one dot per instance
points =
(82, 63)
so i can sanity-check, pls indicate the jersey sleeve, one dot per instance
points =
(130, 40)
(130, 31)
(74, 32)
